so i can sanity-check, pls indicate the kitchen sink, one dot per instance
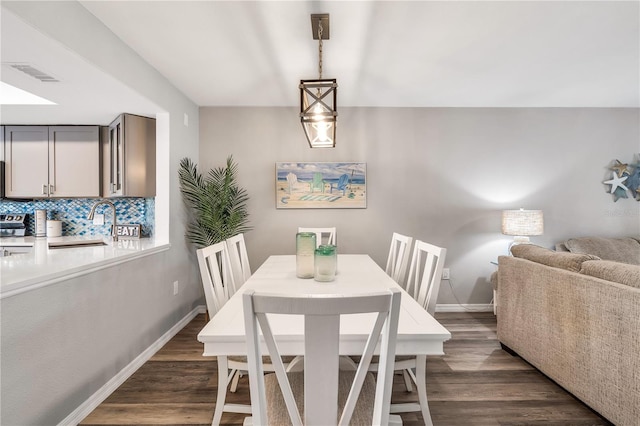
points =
(76, 243)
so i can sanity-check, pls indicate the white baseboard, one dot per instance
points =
(103, 393)
(467, 307)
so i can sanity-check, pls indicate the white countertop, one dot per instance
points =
(43, 266)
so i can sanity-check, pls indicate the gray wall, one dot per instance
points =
(442, 175)
(62, 343)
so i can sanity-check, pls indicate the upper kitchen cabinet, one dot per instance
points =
(52, 161)
(129, 157)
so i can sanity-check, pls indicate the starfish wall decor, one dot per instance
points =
(625, 178)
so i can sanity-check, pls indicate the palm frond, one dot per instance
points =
(217, 204)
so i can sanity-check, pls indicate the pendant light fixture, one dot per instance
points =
(318, 112)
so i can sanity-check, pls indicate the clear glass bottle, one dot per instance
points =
(305, 247)
(325, 263)
(41, 223)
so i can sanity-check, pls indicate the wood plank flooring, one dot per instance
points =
(474, 383)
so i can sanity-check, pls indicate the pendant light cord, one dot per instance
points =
(320, 48)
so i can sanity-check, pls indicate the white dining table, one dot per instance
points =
(419, 333)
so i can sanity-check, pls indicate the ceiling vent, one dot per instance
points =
(34, 72)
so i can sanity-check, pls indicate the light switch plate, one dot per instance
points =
(98, 219)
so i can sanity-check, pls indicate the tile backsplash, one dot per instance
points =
(73, 213)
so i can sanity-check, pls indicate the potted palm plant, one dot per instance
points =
(218, 206)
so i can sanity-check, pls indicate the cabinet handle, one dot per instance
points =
(44, 190)
(51, 189)
(113, 188)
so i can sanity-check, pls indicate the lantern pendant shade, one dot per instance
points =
(318, 113)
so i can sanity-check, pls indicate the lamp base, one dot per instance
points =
(519, 240)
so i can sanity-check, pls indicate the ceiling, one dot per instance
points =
(83, 95)
(388, 54)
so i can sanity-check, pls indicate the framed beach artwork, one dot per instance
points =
(321, 185)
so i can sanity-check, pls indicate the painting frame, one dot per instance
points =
(321, 185)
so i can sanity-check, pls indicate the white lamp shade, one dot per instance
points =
(522, 222)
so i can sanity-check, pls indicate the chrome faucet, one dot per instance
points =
(113, 210)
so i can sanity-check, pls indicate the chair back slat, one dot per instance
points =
(239, 259)
(279, 369)
(363, 367)
(322, 315)
(323, 235)
(425, 274)
(217, 278)
(398, 259)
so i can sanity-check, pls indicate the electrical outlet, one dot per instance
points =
(445, 274)
(98, 219)
(175, 287)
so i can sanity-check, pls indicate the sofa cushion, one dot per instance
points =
(625, 250)
(613, 271)
(564, 260)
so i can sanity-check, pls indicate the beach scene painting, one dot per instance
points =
(321, 185)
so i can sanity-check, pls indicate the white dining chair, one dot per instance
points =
(425, 274)
(239, 259)
(398, 259)
(323, 235)
(217, 277)
(219, 285)
(323, 392)
(423, 284)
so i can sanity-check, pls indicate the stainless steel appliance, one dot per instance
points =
(13, 225)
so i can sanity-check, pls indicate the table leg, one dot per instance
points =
(223, 380)
(421, 384)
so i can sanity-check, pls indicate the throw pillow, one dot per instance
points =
(564, 260)
(613, 271)
(625, 250)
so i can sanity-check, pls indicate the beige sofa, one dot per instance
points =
(575, 316)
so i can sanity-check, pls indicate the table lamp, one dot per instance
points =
(522, 224)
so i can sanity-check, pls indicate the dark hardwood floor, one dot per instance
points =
(474, 383)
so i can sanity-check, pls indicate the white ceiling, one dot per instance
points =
(84, 94)
(393, 53)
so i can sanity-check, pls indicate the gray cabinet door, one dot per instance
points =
(26, 161)
(52, 161)
(129, 157)
(74, 161)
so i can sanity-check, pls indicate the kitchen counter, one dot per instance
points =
(43, 266)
